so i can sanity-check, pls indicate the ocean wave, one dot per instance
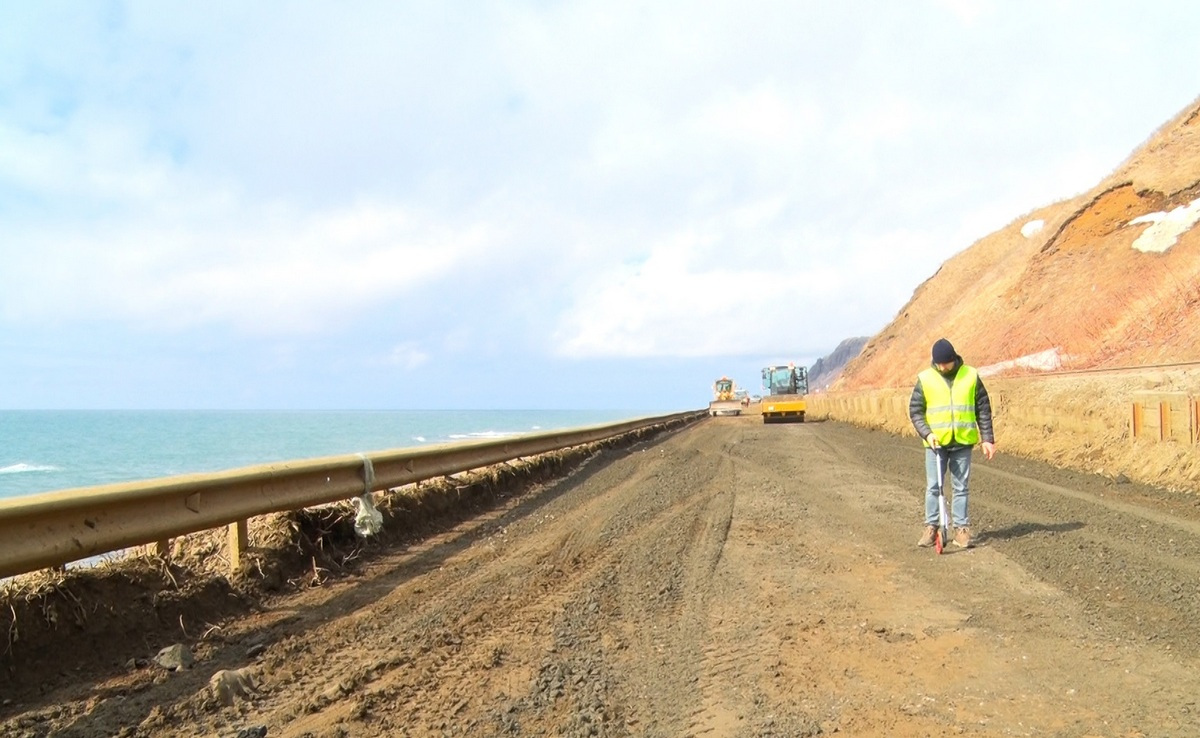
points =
(22, 468)
(484, 434)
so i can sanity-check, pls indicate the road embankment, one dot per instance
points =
(1080, 420)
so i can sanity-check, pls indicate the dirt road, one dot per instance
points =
(732, 579)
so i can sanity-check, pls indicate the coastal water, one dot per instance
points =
(47, 450)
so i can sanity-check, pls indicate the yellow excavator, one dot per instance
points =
(784, 389)
(725, 401)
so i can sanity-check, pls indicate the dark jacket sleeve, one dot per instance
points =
(983, 413)
(916, 410)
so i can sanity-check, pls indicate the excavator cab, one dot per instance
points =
(785, 380)
(785, 387)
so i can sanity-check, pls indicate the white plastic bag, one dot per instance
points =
(367, 520)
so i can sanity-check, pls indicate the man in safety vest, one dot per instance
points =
(951, 411)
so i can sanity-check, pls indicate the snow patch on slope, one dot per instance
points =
(1165, 228)
(1046, 361)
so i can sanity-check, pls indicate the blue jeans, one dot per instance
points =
(956, 469)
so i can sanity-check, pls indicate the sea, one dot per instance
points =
(51, 450)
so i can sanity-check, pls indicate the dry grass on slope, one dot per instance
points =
(1100, 301)
(1169, 160)
(965, 302)
(1078, 285)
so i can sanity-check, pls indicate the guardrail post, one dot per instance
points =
(239, 539)
(1164, 420)
(162, 549)
(1137, 419)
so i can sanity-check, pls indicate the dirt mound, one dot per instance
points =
(1077, 286)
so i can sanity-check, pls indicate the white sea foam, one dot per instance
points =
(483, 434)
(21, 468)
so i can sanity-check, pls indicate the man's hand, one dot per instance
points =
(932, 441)
(989, 449)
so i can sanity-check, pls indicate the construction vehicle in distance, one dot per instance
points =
(784, 388)
(725, 401)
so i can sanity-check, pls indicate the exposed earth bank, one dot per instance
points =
(730, 579)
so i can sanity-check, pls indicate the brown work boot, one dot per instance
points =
(927, 537)
(962, 538)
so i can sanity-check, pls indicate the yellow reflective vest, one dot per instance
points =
(950, 408)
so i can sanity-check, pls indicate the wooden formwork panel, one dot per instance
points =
(1177, 418)
(1058, 419)
(1155, 416)
(1163, 416)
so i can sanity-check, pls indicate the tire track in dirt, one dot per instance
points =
(575, 567)
(856, 469)
(662, 586)
(1131, 554)
(1149, 515)
(520, 593)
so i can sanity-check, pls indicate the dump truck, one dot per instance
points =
(784, 388)
(725, 401)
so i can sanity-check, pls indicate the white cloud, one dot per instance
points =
(407, 355)
(763, 117)
(967, 11)
(92, 158)
(269, 272)
(682, 302)
(600, 178)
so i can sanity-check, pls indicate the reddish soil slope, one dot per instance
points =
(1078, 285)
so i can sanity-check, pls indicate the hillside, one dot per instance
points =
(827, 369)
(1108, 278)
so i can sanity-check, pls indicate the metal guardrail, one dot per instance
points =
(56, 528)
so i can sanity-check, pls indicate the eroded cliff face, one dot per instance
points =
(827, 369)
(1111, 278)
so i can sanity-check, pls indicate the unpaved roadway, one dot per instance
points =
(730, 579)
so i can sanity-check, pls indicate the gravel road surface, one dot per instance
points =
(729, 579)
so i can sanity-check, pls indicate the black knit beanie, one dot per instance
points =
(943, 352)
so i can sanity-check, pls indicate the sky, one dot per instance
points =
(524, 204)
